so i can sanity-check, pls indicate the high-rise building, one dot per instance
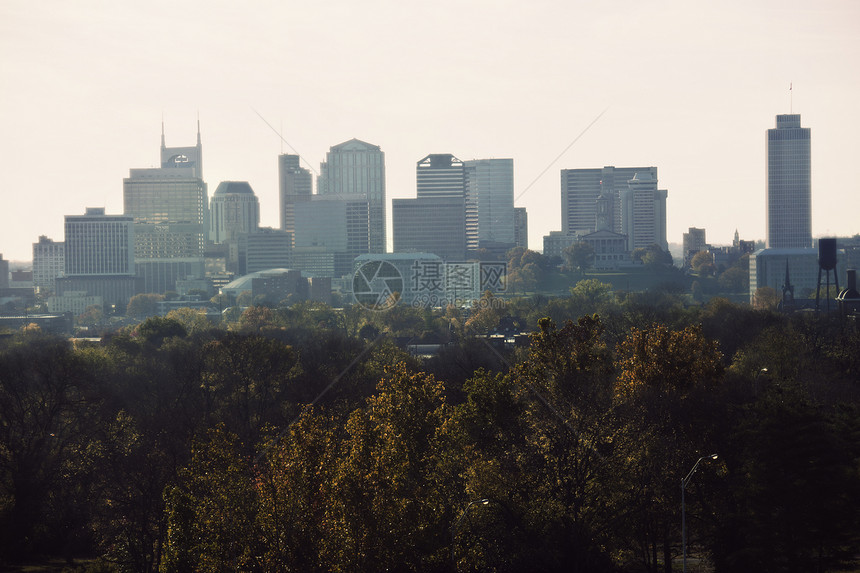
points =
(490, 187)
(521, 227)
(694, 241)
(643, 213)
(355, 167)
(294, 186)
(170, 209)
(789, 184)
(49, 262)
(443, 175)
(99, 256)
(266, 249)
(623, 200)
(434, 225)
(331, 230)
(98, 244)
(234, 210)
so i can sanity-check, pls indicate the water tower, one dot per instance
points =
(826, 263)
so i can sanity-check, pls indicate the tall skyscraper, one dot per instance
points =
(170, 209)
(234, 210)
(490, 187)
(789, 184)
(643, 213)
(294, 186)
(356, 167)
(441, 175)
(521, 227)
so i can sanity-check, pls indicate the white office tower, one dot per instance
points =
(643, 213)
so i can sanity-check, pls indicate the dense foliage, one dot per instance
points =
(305, 439)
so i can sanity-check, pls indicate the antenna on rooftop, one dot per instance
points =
(790, 98)
(301, 157)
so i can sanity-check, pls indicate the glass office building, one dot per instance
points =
(789, 184)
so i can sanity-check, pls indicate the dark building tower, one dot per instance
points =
(294, 183)
(443, 176)
(789, 184)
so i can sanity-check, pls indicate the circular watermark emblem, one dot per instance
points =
(376, 285)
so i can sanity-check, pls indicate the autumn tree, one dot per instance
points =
(143, 305)
(664, 376)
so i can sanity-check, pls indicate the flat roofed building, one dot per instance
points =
(490, 186)
(789, 184)
(100, 257)
(521, 227)
(430, 225)
(693, 241)
(334, 227)
(49, 262)
(98, 244)
(294, 186)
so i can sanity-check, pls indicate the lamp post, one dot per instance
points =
(755, 380)
(454, 527)
(684, 483)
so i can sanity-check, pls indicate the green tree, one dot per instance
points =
(734, 279)
(702, 263)
(790, 503)
(193, 320)
(143, 305)
(579, 256)
(92, 316)
(765, 298)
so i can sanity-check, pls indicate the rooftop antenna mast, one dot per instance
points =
(790, 98)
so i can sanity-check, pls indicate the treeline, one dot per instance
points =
(304, 439)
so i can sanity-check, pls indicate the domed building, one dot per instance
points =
(233, 210)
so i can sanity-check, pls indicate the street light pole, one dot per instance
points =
(684, 483)
(454, 527)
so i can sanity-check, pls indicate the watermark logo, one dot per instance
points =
(425, 283)
(377, 285)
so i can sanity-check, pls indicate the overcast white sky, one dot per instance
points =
(687, 86)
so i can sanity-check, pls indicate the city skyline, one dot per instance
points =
(688, 89)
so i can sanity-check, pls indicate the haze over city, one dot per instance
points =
(690, 89)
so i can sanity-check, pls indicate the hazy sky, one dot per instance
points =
(689, 87)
